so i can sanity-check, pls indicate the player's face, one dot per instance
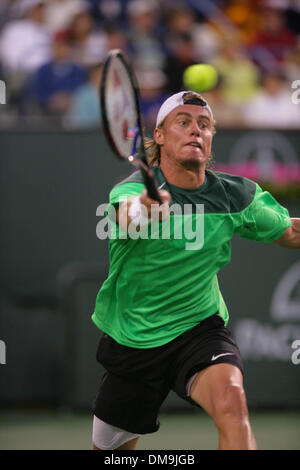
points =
(186, 135)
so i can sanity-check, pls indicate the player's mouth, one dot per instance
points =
(195, 145)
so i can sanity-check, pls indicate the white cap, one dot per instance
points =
(178, 100)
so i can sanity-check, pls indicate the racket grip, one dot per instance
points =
(150, 184)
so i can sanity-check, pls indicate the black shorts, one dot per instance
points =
(137, 381)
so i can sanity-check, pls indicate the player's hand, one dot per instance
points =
(143, 210)
(155, 210)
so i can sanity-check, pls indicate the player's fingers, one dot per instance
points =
(165, 196)
(147, 201)
(154, 209)
(164, 208)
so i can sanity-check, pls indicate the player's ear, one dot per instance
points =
(158, 135)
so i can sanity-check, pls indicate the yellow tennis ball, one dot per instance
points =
(200, 77)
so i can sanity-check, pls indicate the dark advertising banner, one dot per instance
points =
(263, 155)
(262, 289)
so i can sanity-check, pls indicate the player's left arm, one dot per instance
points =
(291, 236)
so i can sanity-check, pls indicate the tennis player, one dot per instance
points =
(161, 310)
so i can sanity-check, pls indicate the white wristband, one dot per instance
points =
(138, 213)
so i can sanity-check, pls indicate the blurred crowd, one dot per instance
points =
(51, 55)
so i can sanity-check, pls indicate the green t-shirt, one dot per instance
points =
(159, 288)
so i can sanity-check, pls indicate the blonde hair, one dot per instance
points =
(153, 149)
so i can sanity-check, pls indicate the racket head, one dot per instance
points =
(120, 107)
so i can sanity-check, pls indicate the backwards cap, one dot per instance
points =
(180, 99)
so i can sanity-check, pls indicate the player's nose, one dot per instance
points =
(195, 129)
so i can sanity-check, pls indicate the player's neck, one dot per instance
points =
(187, 177)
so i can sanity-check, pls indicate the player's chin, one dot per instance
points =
(193, 160)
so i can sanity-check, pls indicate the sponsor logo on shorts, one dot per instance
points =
(214, 358)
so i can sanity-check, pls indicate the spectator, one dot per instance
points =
(239, 75)
(59, 13)
(181, 55)
(108, 11)
(292, 64)
(293, 16)
(167, 37)
(85, 106)
(8, 11)
(245, 17)
(152, 92)
(204, 40)
(56, 81)
(116, 38)
(25, 45)
(226, 114)
(207, 42)
(273, 40)
(180, 19)
(88, 45)
(272, 107)
(146, 48)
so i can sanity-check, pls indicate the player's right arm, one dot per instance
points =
(137, 208)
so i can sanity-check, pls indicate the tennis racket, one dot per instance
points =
(121, 116)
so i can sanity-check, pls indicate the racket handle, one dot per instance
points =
(150, 184)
